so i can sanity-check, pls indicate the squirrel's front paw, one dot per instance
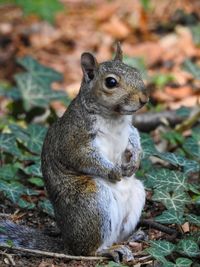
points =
(129, 164)
(115, 174)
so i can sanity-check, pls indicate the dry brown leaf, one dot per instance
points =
(185, 227)
(106, 11)
(162, 96)
(151, 51)
(179, 92)
(136, 246)
(187, 102)
(116, 28)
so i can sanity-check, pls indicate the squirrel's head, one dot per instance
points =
(116, 87)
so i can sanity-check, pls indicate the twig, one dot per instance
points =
(52, 254)
(158, 226)
(188, 123)
(149, 121)
(10, 258)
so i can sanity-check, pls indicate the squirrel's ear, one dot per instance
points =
(119, 54)
(88, 64)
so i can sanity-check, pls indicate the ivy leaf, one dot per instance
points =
(9, 171)
(36, 181)
(196, 33)
(47, 207)
(155, 253)
(194, 219)
(36, 137)
(8, 144)
(33, 94)
(35, 85)
(175, 201)
(13, 190)
(192, 147)
(168, 180)
(183, 262)
(170, 217)
(20, 133)
(45, 9)
(192, 68)
(148, 147)
(188, 247)
(34, 169)
(12, 93)
(25, 204)
(163, 247)
(40, 73)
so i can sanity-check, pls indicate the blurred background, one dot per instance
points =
(41, 42)
(161, 38)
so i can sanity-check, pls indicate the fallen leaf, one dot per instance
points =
(188, 102)
(116, 28)
(179, 92)
(185, 227)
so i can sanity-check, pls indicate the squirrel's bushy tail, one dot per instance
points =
(21, 236)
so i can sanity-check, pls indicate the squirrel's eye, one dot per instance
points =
(110, 82)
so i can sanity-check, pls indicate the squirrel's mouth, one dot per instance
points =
(125, 111)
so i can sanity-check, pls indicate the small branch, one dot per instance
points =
(158, 226)
(40, 253)
(189, 122)
(10, 258)
(148, 121)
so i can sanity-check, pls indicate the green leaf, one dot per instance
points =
(194, 219)
(13, 190)
(188, 247)
(155, 253)
(37, 134)
(40, 73)
(20, 133)
(183, 262)
(179, 161)
(36, 181)
(148, 147)
(170, 217)
(8, 144)
(25, 204)
(163, 247)
(12, 93)
(34, 169)
(45, 9)
(9, 171)
(192, 147)
(160, 80)
(33, 94)
(192, 68)
(196, 33)
(47, 207)
(35, 85)
(167, 180)
(173, 201)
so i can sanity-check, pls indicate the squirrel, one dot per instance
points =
(89, 159)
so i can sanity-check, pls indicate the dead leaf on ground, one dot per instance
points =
(179, 92)
(116, 28)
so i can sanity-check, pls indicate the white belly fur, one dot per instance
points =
(128, 195)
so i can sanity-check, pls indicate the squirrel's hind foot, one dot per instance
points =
(118, 253)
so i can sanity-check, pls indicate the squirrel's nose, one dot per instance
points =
(143, 99)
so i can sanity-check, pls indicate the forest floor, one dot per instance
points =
(164, 37)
